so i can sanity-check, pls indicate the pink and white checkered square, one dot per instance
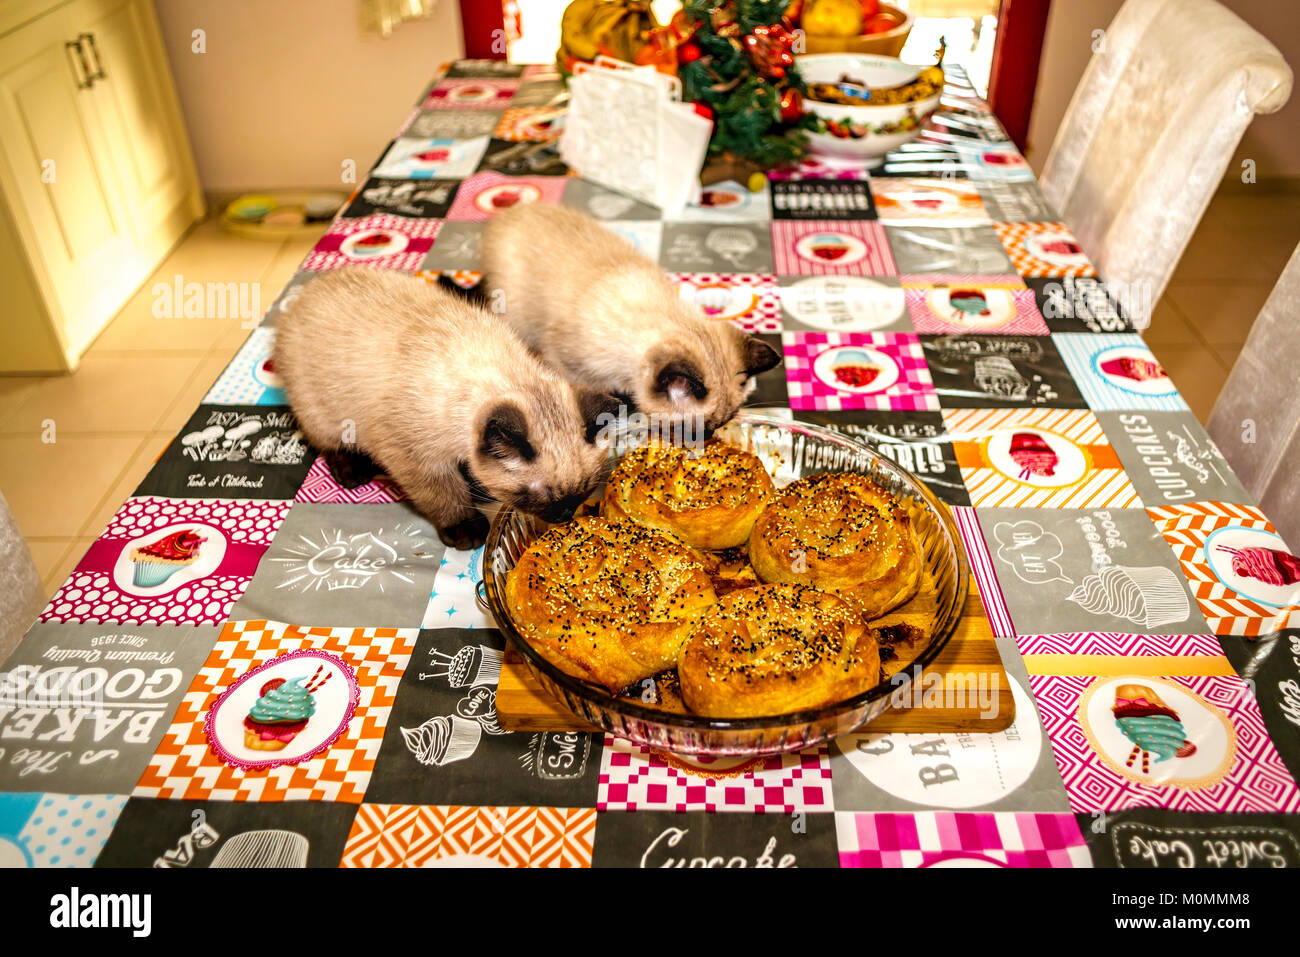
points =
(952, 839)
(1021, 318)
(319, 486)
(636, 778)
(901, 381)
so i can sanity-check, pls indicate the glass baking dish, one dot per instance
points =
(789, 449)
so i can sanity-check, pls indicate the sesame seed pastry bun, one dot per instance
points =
(607, 602)
(708, 500)
(773, 649)
(839, 532)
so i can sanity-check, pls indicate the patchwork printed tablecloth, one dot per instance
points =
(1145, 609)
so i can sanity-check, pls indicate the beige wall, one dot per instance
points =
(1271, 139)
(289, 89)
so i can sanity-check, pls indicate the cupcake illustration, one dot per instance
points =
(854, 368)
(158, 561)
(1034, 455)
(1149, 597)
(282, 711)
(474, 665)
(1133, 368)
(443, 740)
(968, 302)
(1272, 566)
(1152, 726)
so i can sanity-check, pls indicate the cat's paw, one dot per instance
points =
(466, 535)
(349, 468)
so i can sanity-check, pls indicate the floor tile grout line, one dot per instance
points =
(111, 491)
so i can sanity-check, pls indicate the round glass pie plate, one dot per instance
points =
(790, 450)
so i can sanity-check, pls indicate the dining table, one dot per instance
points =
(933, 307)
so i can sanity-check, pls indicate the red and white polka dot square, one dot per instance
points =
(637, 778)
(470, 94)
(833, 371)
(169, 560)
(748, 300)
(381, 241)
(485, 194)
(839, 248)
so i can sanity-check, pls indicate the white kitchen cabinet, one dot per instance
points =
(96, 178)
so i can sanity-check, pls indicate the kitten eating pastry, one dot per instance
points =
(609, 318)
(439, 394)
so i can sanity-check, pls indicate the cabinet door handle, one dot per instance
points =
(89, 38)
(80, 71)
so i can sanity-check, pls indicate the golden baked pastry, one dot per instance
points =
(773, 649)
(840, 532)
(608, 602)
(710, 500)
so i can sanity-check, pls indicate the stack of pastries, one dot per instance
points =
(761, 599)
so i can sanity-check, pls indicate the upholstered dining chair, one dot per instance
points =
(21, 596)
(1150, 131)
(1256, 420)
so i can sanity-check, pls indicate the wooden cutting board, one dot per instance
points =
(970, 660)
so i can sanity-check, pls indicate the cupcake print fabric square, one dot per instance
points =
(169, 561)
(1044, 249)
(748, 300)
(250, 378)
(431, 157)
(282, 713)
(843, 248)
(1118, 372)
(477, 93)
(1037, 458)
(910, 201)
(380, 241)
(1246, 579)
(484, 195)
(1172, 726)
(987, 304)
(857, 371)
(1079, 570)
(844, 304)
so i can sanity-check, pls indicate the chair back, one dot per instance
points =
(1256, 420)
(1150, 131)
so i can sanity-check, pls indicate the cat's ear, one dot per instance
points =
(504, 433)
(677, 378)
(598, 410)
(757, 356)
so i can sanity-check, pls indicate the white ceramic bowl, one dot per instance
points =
(869, 131)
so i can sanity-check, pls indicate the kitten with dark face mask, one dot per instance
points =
(442, 396)
(589, 303)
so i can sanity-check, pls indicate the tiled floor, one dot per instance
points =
(135, 388)
(143, 377)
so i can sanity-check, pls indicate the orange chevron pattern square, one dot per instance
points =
(402, 835)
(1037, 458)
(1230, 555)
(184, 767)
(1044, 249)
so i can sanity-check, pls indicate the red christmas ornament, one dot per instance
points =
(791, 105)
(688, 53)
(769, 50)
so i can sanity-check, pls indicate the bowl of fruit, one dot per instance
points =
(851, 26)
(867, 105)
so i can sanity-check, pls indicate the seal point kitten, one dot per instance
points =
(441, 396)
